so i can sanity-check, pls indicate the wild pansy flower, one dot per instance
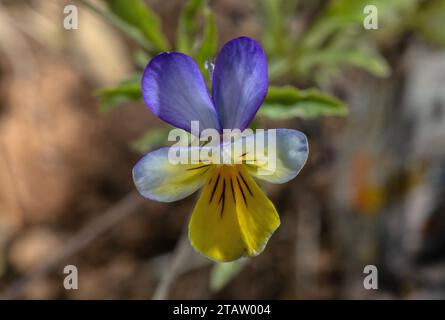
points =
(233, 217)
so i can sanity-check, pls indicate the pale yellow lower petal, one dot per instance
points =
(158, 179)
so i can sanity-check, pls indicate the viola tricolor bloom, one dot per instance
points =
(233, 217)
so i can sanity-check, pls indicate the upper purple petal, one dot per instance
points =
(239, 82)
(174, 90)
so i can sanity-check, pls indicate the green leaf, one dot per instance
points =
(372, 62)
(120, 24)
(152, 139)
(110, 98)
(362, 58)
(287, 102)
(188, 25)
(222, 273)
(325, 28)
(139, 15)
(340, 16)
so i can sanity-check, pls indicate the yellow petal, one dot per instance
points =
(233, 217)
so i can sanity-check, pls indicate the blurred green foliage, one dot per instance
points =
(429, 21)
(287, 102)
(196, 41)
(139, 16)
(318, 45)
(112, 97)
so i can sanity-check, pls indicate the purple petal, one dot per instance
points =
(174, 90)
(239, 82)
